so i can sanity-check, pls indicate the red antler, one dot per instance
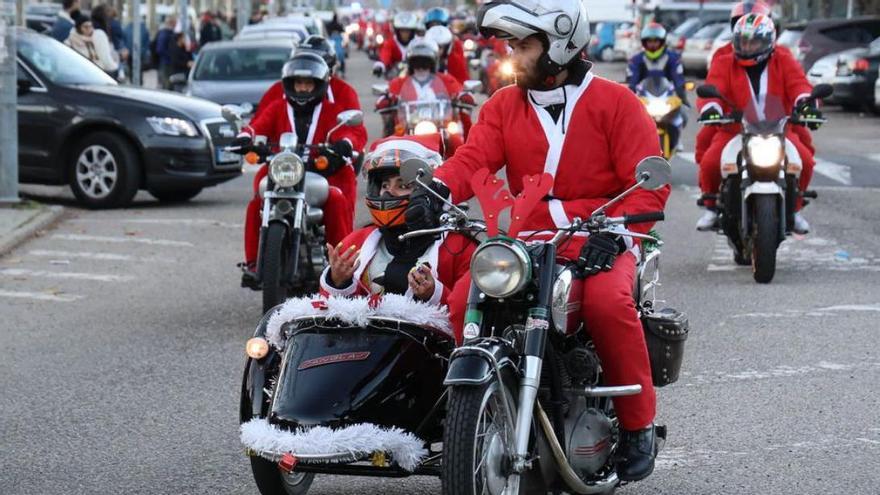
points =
(535, 189)
(493, 199)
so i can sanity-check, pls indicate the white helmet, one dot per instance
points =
(563, 22)
(406, 20)
(440, 35)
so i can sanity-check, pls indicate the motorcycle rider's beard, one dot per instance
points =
(421, 75)
(528, 78)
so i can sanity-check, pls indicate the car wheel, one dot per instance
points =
(607, 54)
(175, 195)
(105, 171)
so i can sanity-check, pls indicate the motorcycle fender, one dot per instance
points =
(763, 188)
(730, 157)
(476, 364)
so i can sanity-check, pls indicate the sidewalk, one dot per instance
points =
(20, 222)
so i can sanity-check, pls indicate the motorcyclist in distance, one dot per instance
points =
(406, 26)
(452, 60)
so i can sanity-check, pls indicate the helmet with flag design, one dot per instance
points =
(387, 201)
(754, 38)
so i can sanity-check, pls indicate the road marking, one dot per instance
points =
(48, 253)
(834, 171)
(875, 157)
(121, 240)
(193, 222)
(23, 272)
(39, 296)
(809, 253)
(687, 156)
(782, 371)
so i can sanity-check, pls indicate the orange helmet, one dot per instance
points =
(382, 163)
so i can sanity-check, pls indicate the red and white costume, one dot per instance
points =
(392, 51)
(442, 86)
(591, 150)
(456, 65)
(276, 117)
(449, 258)
(783, 80)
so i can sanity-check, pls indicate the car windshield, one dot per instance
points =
(241, 64)
(709, 32)
(59, 63)
(687, 27)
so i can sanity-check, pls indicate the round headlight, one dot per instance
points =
(424, 128)
(500, 269)
(453, 127)
(286, 170)
(469, 45)
(765, 151)
(658, 109)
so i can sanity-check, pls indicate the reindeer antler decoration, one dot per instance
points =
(535, 189)
(493, 199)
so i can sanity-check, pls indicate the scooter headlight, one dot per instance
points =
(500, 269)
(765, 151)
(286, 169)
(424, 128)
(658, 108)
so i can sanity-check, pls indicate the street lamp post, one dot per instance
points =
(8, 112)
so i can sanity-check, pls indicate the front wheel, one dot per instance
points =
(105, 171)
(476, 441)
(766, 238)
(274, 256)
(272, 481)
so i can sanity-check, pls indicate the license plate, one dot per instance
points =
(224, 156)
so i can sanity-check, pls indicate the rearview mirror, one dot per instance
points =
(653, 172)
(415, 168)
(473, 85)
(231, 113)
(380, 89)
(822, 91)
(350, 118)
(708, 91)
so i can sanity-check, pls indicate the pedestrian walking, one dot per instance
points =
(161, 50)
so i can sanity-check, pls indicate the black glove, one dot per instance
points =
(809, 111)
(424, 208)
(599, 253)
(337, 155)
(710, 115)
(242, 142)
(342, 148)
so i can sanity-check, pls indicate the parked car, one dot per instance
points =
(239, 71)
(77, 126)
(824, 71)
(679, 36)
(626, 39)
(602, 42)
(813, 40)
(41, 16)
(877, 92)
(698, 47)
(856, 76)
(264, 30)
(672, 15)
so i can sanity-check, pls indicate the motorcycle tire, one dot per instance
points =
(766, 238)
(271, 481)
(274, 256)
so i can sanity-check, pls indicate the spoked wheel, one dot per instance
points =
(476, 441)
(272, 481)
(274, 257)
(766, 238)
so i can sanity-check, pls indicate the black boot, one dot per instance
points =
(635, 454)
(249, 278)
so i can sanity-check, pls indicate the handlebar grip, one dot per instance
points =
(656, 216)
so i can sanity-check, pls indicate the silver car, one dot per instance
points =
(824, 71)
(877, 91)
(699, 46)
(238, 71)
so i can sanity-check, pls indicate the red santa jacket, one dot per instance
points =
(591, 151)
(456, 65)
(391, 52)
(442, 85)
(449, 259)
(783, 84)
(275, 117)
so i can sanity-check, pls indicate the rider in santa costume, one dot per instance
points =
(452, 60)
(393, 50)
(589, 133)
(309, 110)
(372, 260)
(756, 79)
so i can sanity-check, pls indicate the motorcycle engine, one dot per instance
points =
(589, 439)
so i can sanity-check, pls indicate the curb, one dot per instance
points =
(41, 221)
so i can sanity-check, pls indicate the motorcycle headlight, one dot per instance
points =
(424, 128)
(506, 68)
(453, 127)
(380, 39)
(658, 108)
(469, 45)
(500, 269)
(765, 151)
(369, 31)
(286, 169)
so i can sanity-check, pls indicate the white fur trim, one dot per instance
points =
(357, 441)
(714, 105)
(333, 291)
(357, 311)
(438, 293)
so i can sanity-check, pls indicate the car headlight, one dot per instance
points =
(500, 269)
(658, 108)
(286, 169)
(424, 128)
(171, 126)
(469, 45)
(765, 151)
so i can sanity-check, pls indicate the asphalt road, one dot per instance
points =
(123, 334)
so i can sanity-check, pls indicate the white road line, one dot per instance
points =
(721, 268)
(875, 157)
(49, 253)
(23, 272)
(687, 156)
(121, 240)
(193, 222)
(834, 171)
(39, 296)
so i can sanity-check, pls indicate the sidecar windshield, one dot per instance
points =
(767, 117)
(437, 111)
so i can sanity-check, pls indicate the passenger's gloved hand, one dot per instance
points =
(241, 142)
(710, 115)
(809, 111)
(424, 208)
(337, 155)
(599, 253)
(378, 69)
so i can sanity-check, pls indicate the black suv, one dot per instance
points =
(812, 40)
